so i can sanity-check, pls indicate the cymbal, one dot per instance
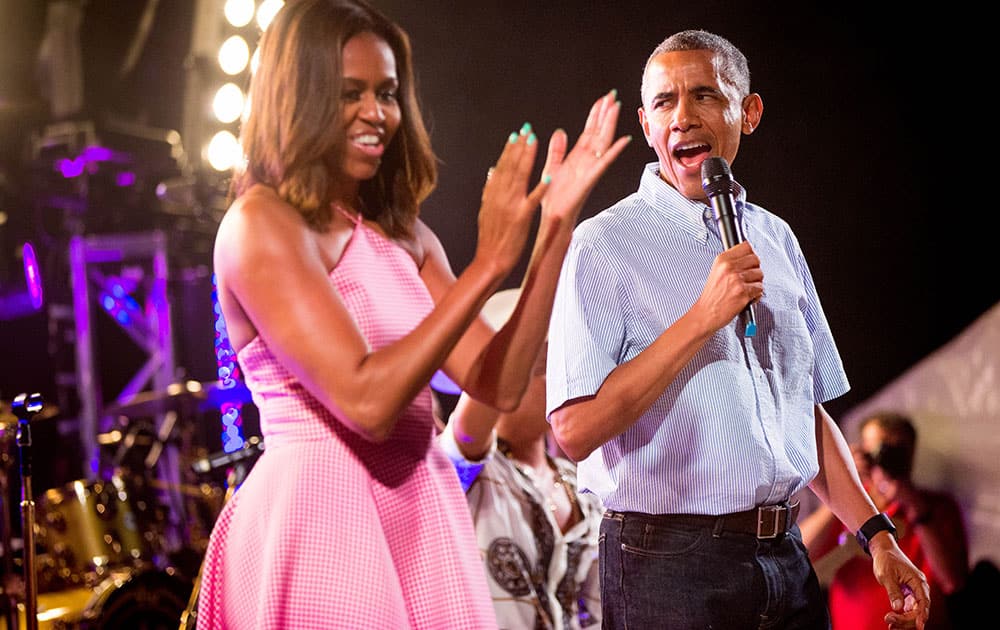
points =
(186, 397)
(199, 491)
(7, 415)
(176, 397)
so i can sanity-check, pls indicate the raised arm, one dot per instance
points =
(495, 369)
(273, 273)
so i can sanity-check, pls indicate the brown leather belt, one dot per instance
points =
(764, 522)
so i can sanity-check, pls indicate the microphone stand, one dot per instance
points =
(10, 601)
(25, 406)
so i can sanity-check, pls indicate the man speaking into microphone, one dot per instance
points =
(695, 428)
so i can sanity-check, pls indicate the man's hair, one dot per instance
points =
(896, 453)
(732, 63)
(292, 137)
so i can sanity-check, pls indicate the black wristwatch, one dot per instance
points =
(878, 523)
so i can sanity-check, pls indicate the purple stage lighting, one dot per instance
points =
(23, 300)
(32, 276)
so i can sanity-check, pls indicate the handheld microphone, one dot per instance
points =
(717, 182)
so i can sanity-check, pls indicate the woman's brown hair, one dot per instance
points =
(291, 138)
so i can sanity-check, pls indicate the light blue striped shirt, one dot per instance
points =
(736, 427)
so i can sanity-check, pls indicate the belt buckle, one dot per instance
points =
(778, 511)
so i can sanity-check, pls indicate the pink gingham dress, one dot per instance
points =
(329, 530)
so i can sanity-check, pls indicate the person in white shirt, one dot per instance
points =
(537, 534)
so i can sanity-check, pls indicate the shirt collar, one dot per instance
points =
(693, 217)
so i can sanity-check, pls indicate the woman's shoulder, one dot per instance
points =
(260, 204)
(259, 225)
(425, 244)
(260, 217)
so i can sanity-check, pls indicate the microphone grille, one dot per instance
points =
(715, 167)
(715, 177)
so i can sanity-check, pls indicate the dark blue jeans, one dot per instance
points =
(679, 576)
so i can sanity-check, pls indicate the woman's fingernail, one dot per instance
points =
(546, 179)
(513, 137)
(525, 128)
(531, 139)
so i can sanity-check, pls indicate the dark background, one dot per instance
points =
(870, 145)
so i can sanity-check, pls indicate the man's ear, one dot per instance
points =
(644, 124)
(753, 110)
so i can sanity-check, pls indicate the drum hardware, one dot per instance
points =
(54, 609)
(183, 398)
(137, 448)
(25, 407)
(151, 599)
(238, 460)
(177, 397)
(253, 447)
(162, 436)
(139, 435)
(189, 618)
(147, 598)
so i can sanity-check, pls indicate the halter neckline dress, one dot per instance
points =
(332, 531)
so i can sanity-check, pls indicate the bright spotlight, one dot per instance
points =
(239, 12)
(234, 55)
(228, 103)
(224, 151)
(267, 11)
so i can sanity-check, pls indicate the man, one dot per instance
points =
(694, 435)
(929, 526)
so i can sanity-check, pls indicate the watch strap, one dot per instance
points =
(878, 523)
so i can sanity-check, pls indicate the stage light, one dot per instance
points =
(254, 60)
(228, 103)
(266, 12)
(21, 300)
(239, 12)
(224, 151)
(234, 55)
(246, 109)
(32, 276)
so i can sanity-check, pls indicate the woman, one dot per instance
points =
(341, 304)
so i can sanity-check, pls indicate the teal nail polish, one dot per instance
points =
(614, 94)
(546, 179)
(531, 139)
(525, 128)
(513, 138)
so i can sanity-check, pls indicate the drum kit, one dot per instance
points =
(106, 553)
